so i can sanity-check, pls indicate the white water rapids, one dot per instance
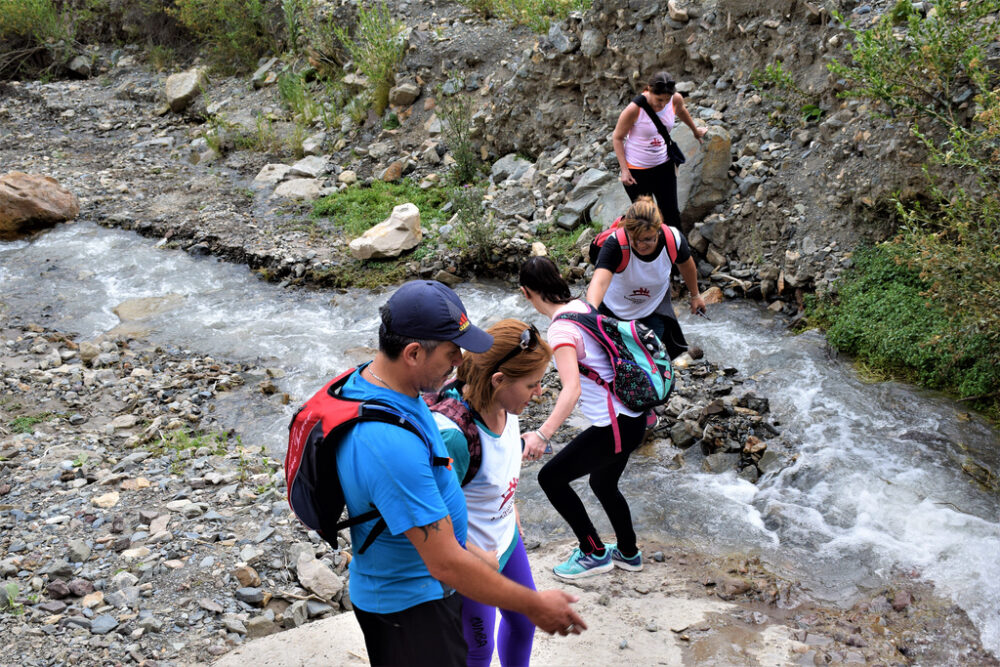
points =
(876, 487)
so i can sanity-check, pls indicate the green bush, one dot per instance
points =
(476, 228)
(359, 208)
(456, 127)
(934, 73)
(881, 314)
(376, 47)
(33, 36)
(236, 32)
(34, 21)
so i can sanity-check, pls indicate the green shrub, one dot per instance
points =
(881, 313)
(788, 95)
(376, 47)
(236, 32)
(933, 72)
(359, 208)
(456, 127)
(33, 21)
(476, 231)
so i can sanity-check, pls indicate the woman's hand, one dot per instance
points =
(534, 447)
(626, 177)
(697, 305)
(699, 133)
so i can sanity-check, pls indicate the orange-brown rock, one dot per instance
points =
(31, 201)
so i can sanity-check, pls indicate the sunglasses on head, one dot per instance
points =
(528, 341)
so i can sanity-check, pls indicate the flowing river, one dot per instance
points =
(877, 486)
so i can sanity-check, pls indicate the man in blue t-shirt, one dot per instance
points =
(402, 586)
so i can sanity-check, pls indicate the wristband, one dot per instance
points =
(547, 441)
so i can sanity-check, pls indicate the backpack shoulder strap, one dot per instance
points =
(462, 414)
(622, 239)
(643, 103)
(672, 237)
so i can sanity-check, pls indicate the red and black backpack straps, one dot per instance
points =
(670, 237)
(464, 415)
(314, 490)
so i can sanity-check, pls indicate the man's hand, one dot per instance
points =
(554, 614)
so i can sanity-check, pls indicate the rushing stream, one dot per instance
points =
(876, 487)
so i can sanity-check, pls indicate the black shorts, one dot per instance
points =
(427, 634)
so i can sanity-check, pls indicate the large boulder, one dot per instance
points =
(31, 201)
(703, 181)
(612, 202)
(183, 87)
(390, 238)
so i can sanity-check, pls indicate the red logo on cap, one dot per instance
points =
(463, 322)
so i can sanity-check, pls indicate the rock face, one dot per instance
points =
(31, 200)
(703, 181)
(183, 87)
(391, 237)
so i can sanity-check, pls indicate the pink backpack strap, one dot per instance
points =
(670, 236)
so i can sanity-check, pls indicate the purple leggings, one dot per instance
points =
(516, 631)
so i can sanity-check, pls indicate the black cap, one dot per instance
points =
(430, 310)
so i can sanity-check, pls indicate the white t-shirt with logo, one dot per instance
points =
(489, 496)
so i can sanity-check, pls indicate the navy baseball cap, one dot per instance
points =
(430, 310)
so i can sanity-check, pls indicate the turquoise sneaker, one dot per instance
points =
(633, 564)
(582, 565)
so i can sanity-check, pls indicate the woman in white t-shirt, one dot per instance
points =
(494, 387)
(597, 451)
(641, 290)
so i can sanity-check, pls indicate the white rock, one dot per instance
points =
(183, 87)
(311, 166)
(271, 174)
(318, 578)
(399, 232)
(303, 189)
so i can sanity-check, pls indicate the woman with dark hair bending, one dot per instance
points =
(594, 451)
(642, 152)
(496, 386)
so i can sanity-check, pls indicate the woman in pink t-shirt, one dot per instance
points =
(593, 452)
(641, 151)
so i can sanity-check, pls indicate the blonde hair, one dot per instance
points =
(642, 216)
(476, 370)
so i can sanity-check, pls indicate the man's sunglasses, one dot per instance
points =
(528, 341)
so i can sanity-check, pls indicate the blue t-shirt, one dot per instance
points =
(391, 468)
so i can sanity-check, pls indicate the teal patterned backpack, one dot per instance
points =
(643, 377)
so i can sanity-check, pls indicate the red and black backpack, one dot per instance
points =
(314, 490)
(670, 235)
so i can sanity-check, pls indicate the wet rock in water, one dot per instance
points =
(720, 462)
(901, 600)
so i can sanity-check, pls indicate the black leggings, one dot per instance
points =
(593, 452)
(661, 182)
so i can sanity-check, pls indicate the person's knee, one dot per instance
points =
(548, 478)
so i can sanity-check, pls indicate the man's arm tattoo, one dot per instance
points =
(435, 526)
